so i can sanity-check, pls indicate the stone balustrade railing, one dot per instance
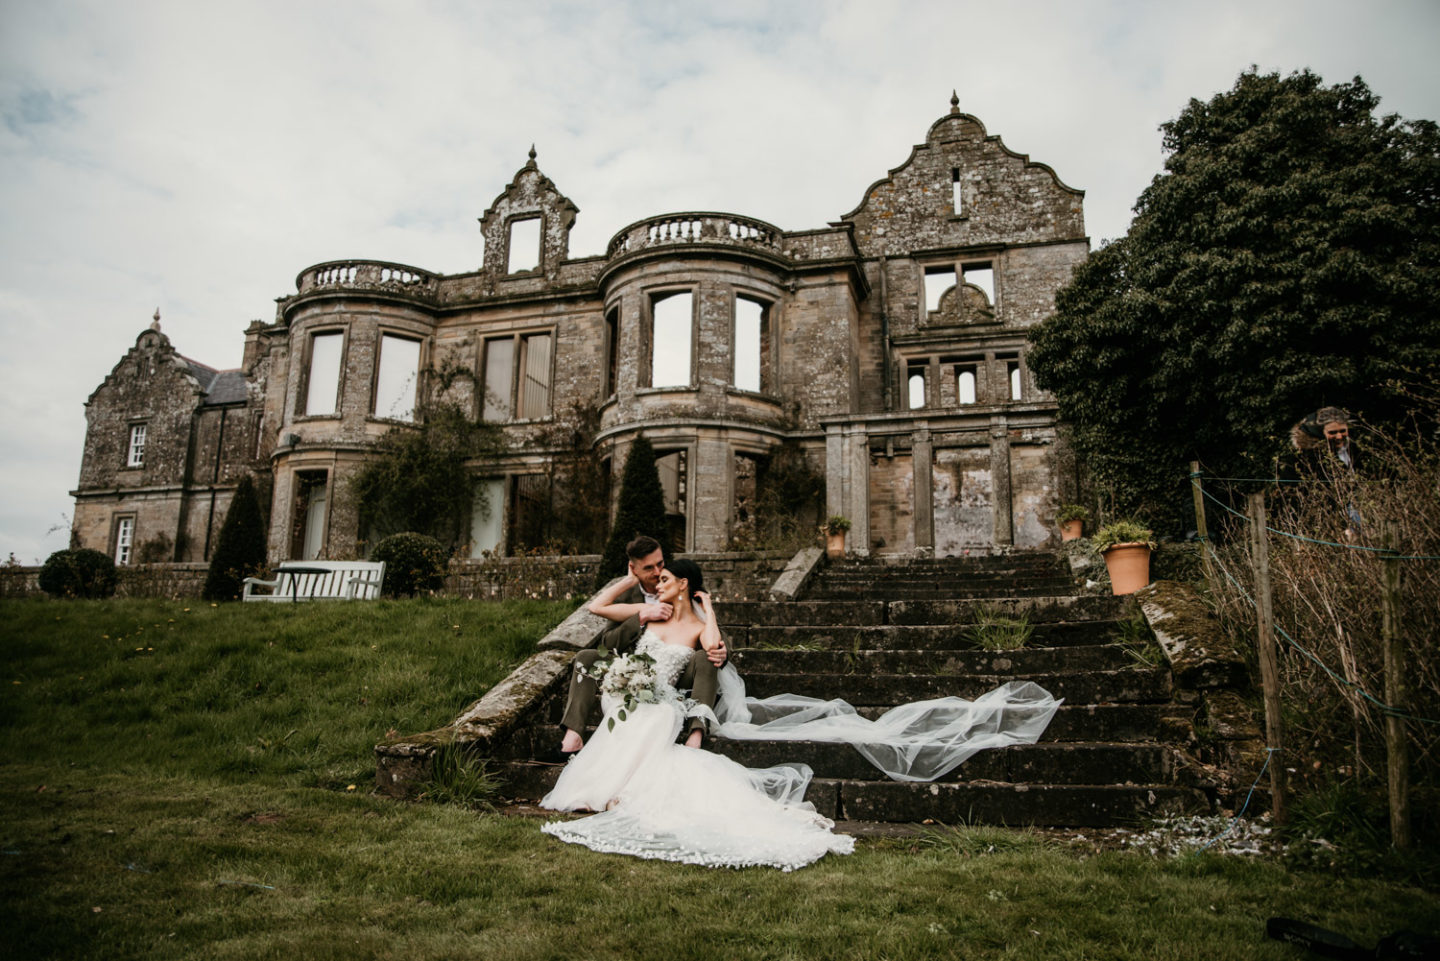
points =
(369, 275)
(709, 229)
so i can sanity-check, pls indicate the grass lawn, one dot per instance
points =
(176, 782)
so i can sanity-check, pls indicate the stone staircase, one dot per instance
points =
(879, 634)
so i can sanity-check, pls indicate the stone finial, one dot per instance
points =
(155, 324)
(531, 161)
(954, 102)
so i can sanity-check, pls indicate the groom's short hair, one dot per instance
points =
(641, 547)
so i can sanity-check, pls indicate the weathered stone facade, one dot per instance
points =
(889, 345)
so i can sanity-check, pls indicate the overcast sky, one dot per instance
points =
(196, 156)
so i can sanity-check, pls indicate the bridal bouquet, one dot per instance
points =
(630, 677)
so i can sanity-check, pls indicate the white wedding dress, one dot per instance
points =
(680, 804)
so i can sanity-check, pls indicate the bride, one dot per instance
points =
(658, 799)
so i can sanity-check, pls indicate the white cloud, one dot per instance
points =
(198, 156)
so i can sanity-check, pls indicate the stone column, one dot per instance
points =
(1000, 478)
(711, 485)
(922, 464)
(834, 470)
(858, 441)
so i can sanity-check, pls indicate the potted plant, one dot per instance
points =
(834, 530)
(1126, 547)
(1071, 520)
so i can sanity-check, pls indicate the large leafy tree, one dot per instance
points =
(423, 478)
(1287, 258)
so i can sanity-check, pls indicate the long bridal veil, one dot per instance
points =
(919, 741)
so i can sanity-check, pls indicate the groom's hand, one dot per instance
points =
(659, 611)
(718, 654)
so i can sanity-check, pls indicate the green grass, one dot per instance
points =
(189, 800)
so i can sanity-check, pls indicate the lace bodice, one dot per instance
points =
(670, 659)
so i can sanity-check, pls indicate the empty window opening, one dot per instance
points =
(524, 251)
(322, 389)
(1013, 367)
(673, 468)
(916, 382)
(124, 539)
(135, 456)
(982, 276)
(956, 201)
(612, 351)
(749, 343)
(530, 513)
(965, 386)
(671, 319)
(937, 281)
(399, 369)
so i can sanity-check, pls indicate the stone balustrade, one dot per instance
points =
(706, 229)
(369, 275)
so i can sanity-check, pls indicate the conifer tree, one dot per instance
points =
(240, 548)
(641, 510)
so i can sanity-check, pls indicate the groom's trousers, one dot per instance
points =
(700, 676)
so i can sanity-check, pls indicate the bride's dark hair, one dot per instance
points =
(687, 570)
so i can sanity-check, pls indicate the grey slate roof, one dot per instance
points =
(220, 386)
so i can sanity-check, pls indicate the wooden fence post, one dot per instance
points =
(1200, 529)
(1269, 669)
(1396, 750)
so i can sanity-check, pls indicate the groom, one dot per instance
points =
(647, 560)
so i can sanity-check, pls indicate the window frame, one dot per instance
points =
(419, 342)
(510, 223)
(765, 364)
(516, 394)
(135, 453)
(654, 296)
(308, 371)
(122, 539)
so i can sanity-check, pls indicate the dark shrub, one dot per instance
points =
(78, 573)
(414, 563)
(240, 548)
(641, 510)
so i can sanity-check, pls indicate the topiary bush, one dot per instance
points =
(640, 510)
(414, 563)
(78, 573)
(240, 548)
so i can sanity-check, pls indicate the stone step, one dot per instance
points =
(1014, 805)
(1037, 610)
(972, 563)
(1128, 686)
(1109, 723)
(896, 637)
(1044, 660)
(949, 802)
(1042, 763)
(957, 591)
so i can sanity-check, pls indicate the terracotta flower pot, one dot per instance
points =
(1071, 530)
(1129, 567)
(835, 544)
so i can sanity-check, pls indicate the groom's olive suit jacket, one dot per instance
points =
(700, 676)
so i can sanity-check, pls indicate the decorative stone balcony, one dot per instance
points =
(695, 228)
(369, 276)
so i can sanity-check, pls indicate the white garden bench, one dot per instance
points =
(320, 581)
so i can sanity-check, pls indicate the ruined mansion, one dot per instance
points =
(887, 348)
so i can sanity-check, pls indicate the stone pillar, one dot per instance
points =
(1000, 478)
(712, 481)
(922, 464)
(858, 499)
(834, 471)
